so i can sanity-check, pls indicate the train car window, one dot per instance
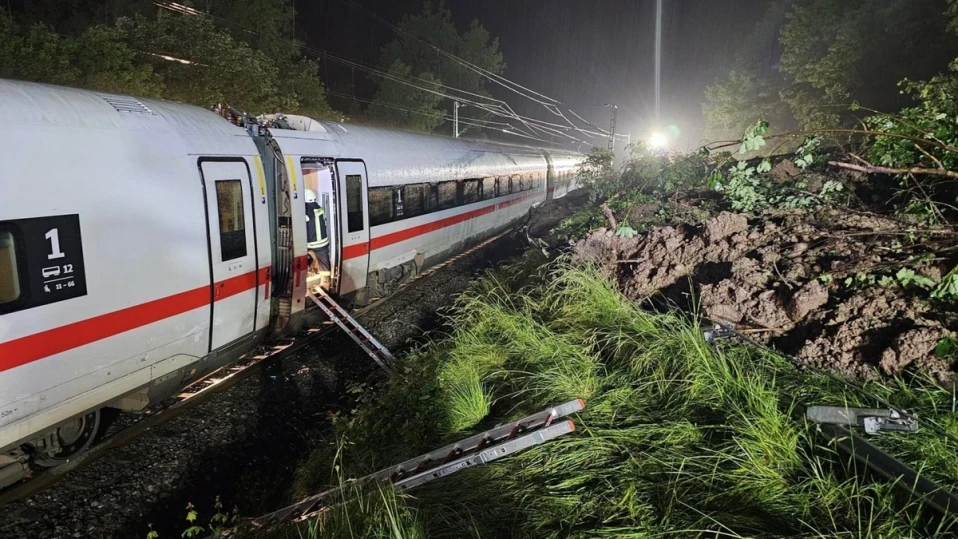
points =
(414, 199)
(354, 203)
(9, 273)
(229, 204)
(488, 188)
(447, 195)
(380, 206)
(512, 185)
(470, 191)
(432, 197)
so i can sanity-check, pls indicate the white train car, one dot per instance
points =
(145, 243)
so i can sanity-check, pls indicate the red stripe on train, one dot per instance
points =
(54, 341)
(385, 240)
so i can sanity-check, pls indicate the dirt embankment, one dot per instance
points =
(782, 274)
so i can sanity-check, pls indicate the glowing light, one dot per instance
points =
(658, 140)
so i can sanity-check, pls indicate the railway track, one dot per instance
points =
(203, 389)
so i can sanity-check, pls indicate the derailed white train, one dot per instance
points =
(144, 243)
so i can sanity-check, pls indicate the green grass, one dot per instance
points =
(679, 439)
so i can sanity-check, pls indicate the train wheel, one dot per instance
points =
(72, 439)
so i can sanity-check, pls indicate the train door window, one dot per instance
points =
(229, 204)
(9, 274)
(380, 206)
(414, 199)
(447, 195)
(354, 203)
(470, 191)
(488, 188)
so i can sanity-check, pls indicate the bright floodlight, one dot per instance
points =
(658, 140)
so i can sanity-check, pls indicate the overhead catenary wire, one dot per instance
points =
(494, 106)
(486, 124)
(550, 104)
(465, 63)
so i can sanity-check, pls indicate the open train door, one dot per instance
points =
(353, 188)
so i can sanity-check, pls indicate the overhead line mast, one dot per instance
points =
(612, 130)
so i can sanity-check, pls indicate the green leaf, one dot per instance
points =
(946, 347)
(715, 180)
(764, 166)
(625, 231)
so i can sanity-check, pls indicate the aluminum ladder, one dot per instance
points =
(347, 323)
(481, 448)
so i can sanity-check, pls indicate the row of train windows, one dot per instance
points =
(389, 204)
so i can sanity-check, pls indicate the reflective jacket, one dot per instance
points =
(316, 235)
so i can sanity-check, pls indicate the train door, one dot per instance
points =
(319, 177)
(232, 244)
(354, 225)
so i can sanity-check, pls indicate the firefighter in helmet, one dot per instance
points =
(317, 236)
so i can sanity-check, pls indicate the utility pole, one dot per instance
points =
(612, 131)
(455, 118)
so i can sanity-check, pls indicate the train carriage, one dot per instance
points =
(144, 243)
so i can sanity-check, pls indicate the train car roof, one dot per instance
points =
(30, 103)
(355, 134)
(395, 157)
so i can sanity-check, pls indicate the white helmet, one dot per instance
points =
(310, 196)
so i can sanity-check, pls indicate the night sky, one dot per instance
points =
(581, 52)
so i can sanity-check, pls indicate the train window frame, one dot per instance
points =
(354, 203)
(443, 193)
(415, 192)
(18, 270)
(381, 205)
(432, 198)
(488, 191)
(231, 247)
(470, 191)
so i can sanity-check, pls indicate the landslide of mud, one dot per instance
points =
(782, 276)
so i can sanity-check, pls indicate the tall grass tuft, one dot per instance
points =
(678, 439)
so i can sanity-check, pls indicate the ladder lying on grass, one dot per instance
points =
(358, 333)
(482, 448)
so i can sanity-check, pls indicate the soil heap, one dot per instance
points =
(785, 276)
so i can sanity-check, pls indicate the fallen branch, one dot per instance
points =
(952, 149)
(872, 169)
(609, 216)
